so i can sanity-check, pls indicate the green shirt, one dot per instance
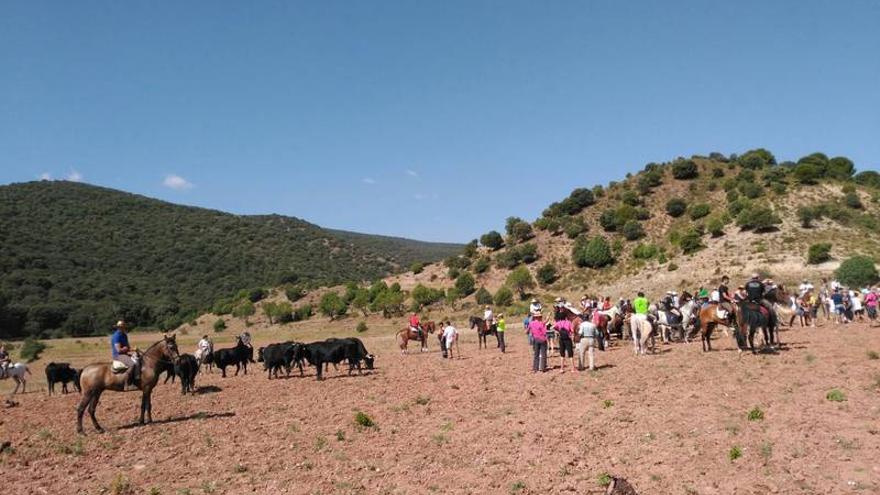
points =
(640, 305)
(501, 325)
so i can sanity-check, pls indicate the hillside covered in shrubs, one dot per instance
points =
(75, 257)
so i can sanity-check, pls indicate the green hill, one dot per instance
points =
(74, 257)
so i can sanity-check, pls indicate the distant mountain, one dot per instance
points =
(74, 257)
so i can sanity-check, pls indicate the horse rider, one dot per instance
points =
(488, 317)
(755, 291)
(122, 352)
(245, 339)
(667, 305)
(559, 309)
(205, 347)
(4, 361)
(415, 325)
(725, 299)
(535, 307)
(585, 304)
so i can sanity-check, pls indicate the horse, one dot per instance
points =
(98, 377)
(642, 329)
(483, 330)
(18, 372)
(611, 318)
(665, 323)
(406, 334)
(708, 319)
(688, 319)
(778, 296)
(750, 315)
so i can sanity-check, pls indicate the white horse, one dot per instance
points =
(17, 372)
(687, 318)
(642, 331)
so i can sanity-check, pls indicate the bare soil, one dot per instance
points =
(670, 423)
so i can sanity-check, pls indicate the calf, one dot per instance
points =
(239, 356)
(187, 367)
(61, 373)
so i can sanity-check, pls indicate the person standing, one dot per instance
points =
(566, 346)
(501, 326)
(450, 335)
(589, 333)
(538, 333)
(4, 361)
(871, 300)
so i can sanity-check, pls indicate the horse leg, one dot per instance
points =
(80, 410)
(93, 406)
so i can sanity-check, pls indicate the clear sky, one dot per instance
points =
(433, 120)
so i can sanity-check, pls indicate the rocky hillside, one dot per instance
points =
(74, 257)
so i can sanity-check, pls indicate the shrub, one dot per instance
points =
(676, 207)
(684, 170)
(362, 327)
(614, 219)
(717, 172)
(699, 210)
(425, 296)
(715, 226)
(522, 231)
(465, 284)
(756, 159)
(633, 230)
(520, 280)
(691, 242)
(503, 297)
(575, 227)
(481, 265)
(592, 253)
(550, 224)
(672, 267)
(869, 178)
(470, 250)
(453, 273)
(302, 313)
(332, 306)
(756, 414)
(751, 190)
(492, 240)
(852, 200)
(294, 293)
(807, 215)
(361, 419)
(244, 309)
(857, 271)
(31, 349)
(807, 173)
(734, 453)
(630, 198)
(835, 395)
(758, 218)
(840, 167)
(547, 274)
(819, 253)
(417, 267)
(483, 296)
(645, 251)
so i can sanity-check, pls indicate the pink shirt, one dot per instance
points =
(538, 331)
(871, 299)
(563, 326)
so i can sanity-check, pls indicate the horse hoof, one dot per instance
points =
(99, 430)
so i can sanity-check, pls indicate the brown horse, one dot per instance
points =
(707, 320)
(483, 330)
(98, 377)
(406, 334)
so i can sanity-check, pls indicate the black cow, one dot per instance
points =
(187, 367)
(277, 356)
(335, 351)
(239, 356)
(61, 373)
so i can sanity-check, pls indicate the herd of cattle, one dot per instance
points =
(275, 357)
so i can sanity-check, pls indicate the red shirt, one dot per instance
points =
(414, 321)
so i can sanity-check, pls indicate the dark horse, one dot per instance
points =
(752, 316)
(483, 330)
(96, 378)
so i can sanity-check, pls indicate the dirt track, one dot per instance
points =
(483, 424)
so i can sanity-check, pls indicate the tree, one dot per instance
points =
(521, 280)
(857, 271)
(270, 309)
(756, 159)
(483, 296)
(361, 301)
(869, 178)
(547, 274)
(389, 303)
(522, 231)
(452, 296)
(492, 240)
(592, 253)
(503, 297)
(470, 250)
(417, 267)
(840, 167)
(758, 218)
(510, 223)
(633, 230)
(676, 207)
(465, 284)
(284, 313)
(425, 296)
(807, 173)
(244, 309)
(819, 253)
(684, 170)
(332, 305)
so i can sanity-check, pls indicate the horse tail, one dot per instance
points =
(399, 337)
(26, 369)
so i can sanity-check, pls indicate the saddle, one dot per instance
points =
(118, 367)
(753, 306)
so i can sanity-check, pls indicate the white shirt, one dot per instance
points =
(803, 288)
(534, 307)
(487, 315)
(204, 345)
(715, 296)
(449, 333)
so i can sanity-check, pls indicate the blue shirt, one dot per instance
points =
(837, 298)
(118, 337)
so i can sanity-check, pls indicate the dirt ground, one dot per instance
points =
(670, 423)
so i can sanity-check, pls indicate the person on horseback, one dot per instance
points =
(4, 361)
(725, 300)
(535, 307)
(122, 352)
(488, 317)
(204, 348)
(667, 305)
(414, 325)
(755, 291)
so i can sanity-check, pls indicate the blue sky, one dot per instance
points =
(432, 120)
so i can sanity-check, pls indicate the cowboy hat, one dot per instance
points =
(120, 323)
(537, 314)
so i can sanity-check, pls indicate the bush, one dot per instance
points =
(547, 274)
(751, 190)
(244, 309)
(520, 280)
(869, 178)
(294, 293)
(470, 250)
(302, 313)
(699, 210)
(852, 200)
(835, 395)
(257, 295)
(645, 251)
(807, 173)
(756, 159)
(481, 265)
(525, 253)
(756, 414)
(521, 231)
(807, 215)
(758, 218)
(715, 226)
(362, 327)
(483, 296)
(857, 271)
(417, 267)
(819, 253)
(492, 240)
(676, 207)
(691, 242)
(31, 349)
(575, 227)
(840, 167)
(332, 306)
(503, 297)
(633, 230)
(592, 253)
(684, 170)
(550, 224)
(425, 296)
(361, 419)
(464, 284)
